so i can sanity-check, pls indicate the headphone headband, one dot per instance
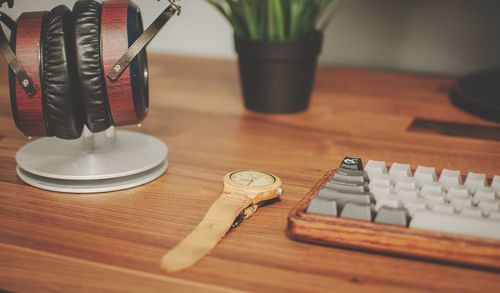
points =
(139, 45)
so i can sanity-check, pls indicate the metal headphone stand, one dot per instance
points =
(107, 161)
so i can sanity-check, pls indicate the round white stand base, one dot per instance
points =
(106, 161)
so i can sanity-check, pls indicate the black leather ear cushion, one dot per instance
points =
(87, 17)
(60, 92)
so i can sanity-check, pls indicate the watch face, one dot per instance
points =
(252, 178)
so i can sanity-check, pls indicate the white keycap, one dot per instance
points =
(453, 223)
(388, 201)
(495, 184)
(433, 199)
(443, 208)
(407, 183)
(380, 180)
(398, 171)
(431, 187)
(412, 206)
(475, 180)
(404, 198)
(458, 191)
(484, 193)
(412, 193)
(375, 167)
(424, 175)
(495, 216)
(450, 178)
(472, 212)
(487, 206)
(461, 203)
(381, 191)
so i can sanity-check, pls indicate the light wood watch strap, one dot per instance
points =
(218, 220)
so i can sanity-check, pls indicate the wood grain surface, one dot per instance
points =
(52, 242)
(30, 118)
(114, 38)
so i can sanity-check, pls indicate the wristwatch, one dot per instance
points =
(244, 191)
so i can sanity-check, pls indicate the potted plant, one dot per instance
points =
(278, 43)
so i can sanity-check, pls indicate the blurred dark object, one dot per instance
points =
(479, 94)
(10, 3)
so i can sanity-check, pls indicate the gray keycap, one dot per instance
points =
(387, 215)
(350, 187)
(342, 174)
(322, 206)
(342, 197)
(357, 211)
(454, 223)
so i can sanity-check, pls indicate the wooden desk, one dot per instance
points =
(113, 242)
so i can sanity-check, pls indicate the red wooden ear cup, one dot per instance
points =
(28, 112)
(126, 108)
(87, 26)
(63, 111)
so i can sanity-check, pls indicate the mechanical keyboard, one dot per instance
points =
(404, 211)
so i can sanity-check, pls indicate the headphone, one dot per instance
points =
(82, 67)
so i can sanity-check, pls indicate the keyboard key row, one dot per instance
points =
(484, 193)
(410, 201)
(448, 178)
(360, 209)
(413, 183)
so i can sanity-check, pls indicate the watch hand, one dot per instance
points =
(251, 181)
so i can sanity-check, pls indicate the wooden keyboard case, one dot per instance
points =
(389, 239)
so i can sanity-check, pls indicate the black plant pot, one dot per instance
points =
(278, 77)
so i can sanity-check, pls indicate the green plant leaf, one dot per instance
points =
(335, 8)
(278, 20)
